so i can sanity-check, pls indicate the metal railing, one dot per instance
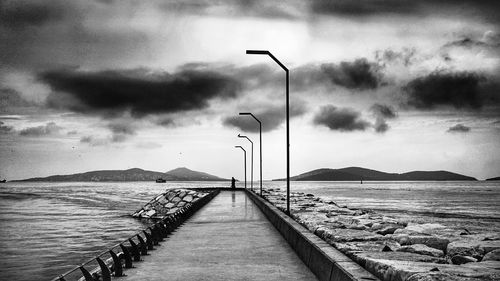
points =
(120, 256)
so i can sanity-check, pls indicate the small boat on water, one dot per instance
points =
(160, 180)
(4, 180)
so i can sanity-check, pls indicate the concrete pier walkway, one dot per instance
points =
(228, 239)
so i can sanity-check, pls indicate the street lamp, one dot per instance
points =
(251, 161)
(260, 137)
(245, 160)
(265, 52)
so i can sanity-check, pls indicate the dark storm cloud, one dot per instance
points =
(457, 89)
(363, 7)
(459, 128)
(383, 110)
(21, 14)
(340, 119)
(359, 74)
(121, 130)
(271, 118)
(122, 127)
(113, 93)
(39, 131)
(484, 9)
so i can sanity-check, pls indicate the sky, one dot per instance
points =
(393, 85)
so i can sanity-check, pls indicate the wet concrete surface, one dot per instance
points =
(228, 239)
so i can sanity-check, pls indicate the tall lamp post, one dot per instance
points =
(260, 146)
(251, 161)
(245, 160)
(265, 52)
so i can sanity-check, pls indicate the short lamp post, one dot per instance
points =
(265, 52)
(251, 161)
(245, 162)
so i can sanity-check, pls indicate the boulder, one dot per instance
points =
(361, 257)
(172, 211)
(472, 247)
(389, 229)
(422, 249)
(492, 256)
(435, 242)
(169, 205)
(425, 228)
(349, 235)
(458, 259)
(367, 246)
(148, 214)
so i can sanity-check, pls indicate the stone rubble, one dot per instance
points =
(168, 203)
(392, 249)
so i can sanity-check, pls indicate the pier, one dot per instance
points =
(228, 239)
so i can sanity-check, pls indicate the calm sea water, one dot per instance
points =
(48, 228)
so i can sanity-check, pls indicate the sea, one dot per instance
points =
(49, 228)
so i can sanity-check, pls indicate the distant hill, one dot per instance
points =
(184, 174)
(494, 179)
(357, 174)
(135, 174)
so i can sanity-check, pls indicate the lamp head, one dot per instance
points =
(257, 52)
(245, 113)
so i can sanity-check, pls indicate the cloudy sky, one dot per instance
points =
(394, 85)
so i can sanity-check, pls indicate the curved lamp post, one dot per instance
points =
(260, 146)
(265, 52)
(251, 161)
(245, 160)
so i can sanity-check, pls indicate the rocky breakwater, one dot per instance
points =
(396, 250)
(169, 202)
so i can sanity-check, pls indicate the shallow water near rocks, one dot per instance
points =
(48, 228)
(474, 206)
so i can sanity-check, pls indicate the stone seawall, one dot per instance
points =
(169, 203)
(392, 249)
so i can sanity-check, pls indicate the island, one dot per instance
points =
(363, 174)
(134, 174)
(494, 179)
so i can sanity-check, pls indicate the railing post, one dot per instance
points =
(86, 274)
(135, 250)
(105, 273)
(117, 264)
(144, 247)
(126, 255)
(149, 240)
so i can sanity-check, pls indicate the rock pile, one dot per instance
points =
(168, 203)
(392, 249)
